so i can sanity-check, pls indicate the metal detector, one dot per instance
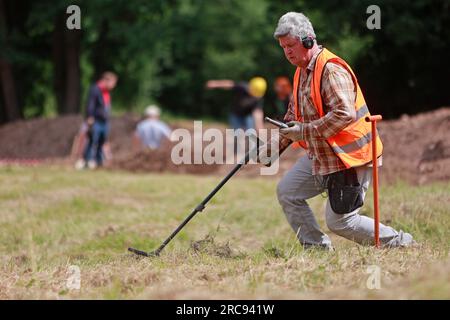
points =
(249, 155)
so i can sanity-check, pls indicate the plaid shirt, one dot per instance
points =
(338, 95)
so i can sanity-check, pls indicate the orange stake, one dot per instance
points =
(373, 120)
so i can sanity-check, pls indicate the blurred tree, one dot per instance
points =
(8, 96)
(405, 70)
(66, 47)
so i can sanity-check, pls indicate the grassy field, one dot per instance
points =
(52, 218)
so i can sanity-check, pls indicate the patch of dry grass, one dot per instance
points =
(240, 247)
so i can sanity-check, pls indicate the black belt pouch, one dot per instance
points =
(344, 191)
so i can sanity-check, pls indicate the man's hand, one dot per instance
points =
(294, 132)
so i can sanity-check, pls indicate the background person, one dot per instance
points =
(98, 112)
(283, 94)
(247, 105)
(79, 146)
(151, 131)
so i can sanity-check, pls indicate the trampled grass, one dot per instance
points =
(240, 246)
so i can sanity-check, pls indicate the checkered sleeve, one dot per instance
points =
(290, 113)
(338, 96)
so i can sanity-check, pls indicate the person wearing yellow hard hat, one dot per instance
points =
(257, 87)
(247, 107)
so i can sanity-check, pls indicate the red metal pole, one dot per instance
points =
(373, 120)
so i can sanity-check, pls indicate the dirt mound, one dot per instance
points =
(46, 138)
(153, 160)
(158, 161)
(38, 138)
(416, 148)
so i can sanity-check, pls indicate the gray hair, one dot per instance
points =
(294, 24)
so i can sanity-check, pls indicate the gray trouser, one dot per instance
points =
(299, 184)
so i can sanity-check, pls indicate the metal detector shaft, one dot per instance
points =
(199, 208)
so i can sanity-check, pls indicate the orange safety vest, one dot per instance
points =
(353, 145)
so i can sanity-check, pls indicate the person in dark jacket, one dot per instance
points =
(98, 111)
(247, 108)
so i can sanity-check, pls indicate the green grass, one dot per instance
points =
(54, 217)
